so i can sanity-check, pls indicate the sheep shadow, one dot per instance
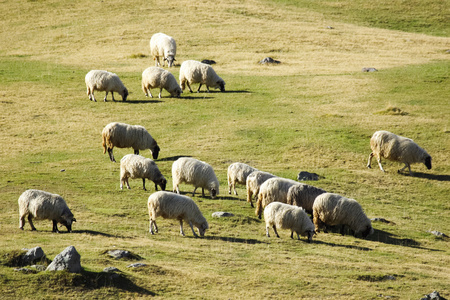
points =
(173, 158)
(343, 246)
(238, 92)
(98, 233)
(429, 176)
(141, 101)
(195, 98)
(96, 280)
(234, 240)
(389, 238)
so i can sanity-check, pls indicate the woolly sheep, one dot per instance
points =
(333, 209)
(155, 77)
(136, 166)
(42, 205)
(397, 148)
(173, 206)
(104, 81)
(253, 183)
(122, 135)
(163, 47)
(286, 216)
(303, 195)
(238, 173)
(198, 173)
(273, 190)
(192, 71)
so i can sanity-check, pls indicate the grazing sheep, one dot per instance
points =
(163, 47)
(136, 166)
(43, 205)
(253, 183)
(155, 77)
(287, 216)
(303, 195)
(397, 148)
(273, 190)
(238, 173)
(192, 71)
(104, 81)
(173, 206)
(332, 209)
(123, 136)
(195, 172)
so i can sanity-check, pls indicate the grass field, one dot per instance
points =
(315, 111)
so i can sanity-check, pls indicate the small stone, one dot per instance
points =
(269, 60)
(305, 176)
(118, 254)
(110, 270)
(437, 233)
(33, 255)
(369, 70)
(221, 214)
(433, 296)
(136, 265)
(208, 61)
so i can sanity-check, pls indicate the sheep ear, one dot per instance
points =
(74, 220)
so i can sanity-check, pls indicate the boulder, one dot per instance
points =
(68, 260)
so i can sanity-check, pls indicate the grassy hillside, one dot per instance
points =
(315, 111)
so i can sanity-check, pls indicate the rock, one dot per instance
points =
(383, 220)
(38, 268)
(437, 233)
(269, 60)
(433, 296)
(33, 255)
(68, 260)
(110, 270)
(208, 61)
(221, 214)
(369, 70)
(118, 254)
(303, 175)
(24, 270)
(330, 27)
(389, 277)
(136, 265)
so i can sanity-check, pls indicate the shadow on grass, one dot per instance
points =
(429, 176)
(195, 98)
(140, 101)
(238, 92)
(388, 238)
(173, 158)
(98, 233)
(343, 246)
(235, 240)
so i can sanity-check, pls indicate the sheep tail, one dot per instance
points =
(258, 210)
(104, 143)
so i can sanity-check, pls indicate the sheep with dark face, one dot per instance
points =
(104, 81)
(397, 148)
(303, 195)
(192, 71)
(42, 205)
(136, 166)
(154, 77)
(122, 135)
(332, 209)
(163, 46)
(237, 174)
(254, 182)
(273, 190)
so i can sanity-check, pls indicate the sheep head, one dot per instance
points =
(427, 162)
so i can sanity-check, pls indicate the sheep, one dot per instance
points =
(273, 190)
(163, 46)
(122, 135)
(332, 209)
(104, 81)
(136, 166)
(43, 205)
(238, 173)
(198, 173)
(286, 216)
(397, 148)
(303, 195)
(192, 71)
(173, 206)
(155, 77)
(253, 183)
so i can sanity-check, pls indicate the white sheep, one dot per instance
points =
(122, 135)
(273, 190)
(104, 81)
(285, 216)
(173, 206)
(198, 173)
(155, 77)
(192, 71)
(163, 47)
(253, 183)
(136, 166)
(332, 209)
(303, 195)
(237, 174)
(397, 148)
(42, 205)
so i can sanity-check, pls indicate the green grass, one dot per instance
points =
(315, 111)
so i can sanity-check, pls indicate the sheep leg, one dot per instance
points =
(189, 86)
(156, 187)
(198, 91)
(149, 92)
(112, 96)
(111, 155)
(176, 189)
(181, 228)
(342, 230)
(193, 193)
(203, 192)
(267, 231)
(21, 222)
(128, 184)
(406, 166)
(153, 224)
(207, 88)
(105, 96)
(275, 230)
(193, 231)
(143, 183)
(160, 91)
(379, 163)
(55, 226)
(369, 163)
(30, 217)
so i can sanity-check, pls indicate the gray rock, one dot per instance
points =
(24, 270)
(118, 254)
(208, 61)
(437, 233)
(389, 277)
(33, 255)
(38, 268)
(68, 260)
(433, 296)
(369, 70)
(136, 265)
(110, 270)
(269, 60)
(221, 214)
(382, 220)
(303, 175)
